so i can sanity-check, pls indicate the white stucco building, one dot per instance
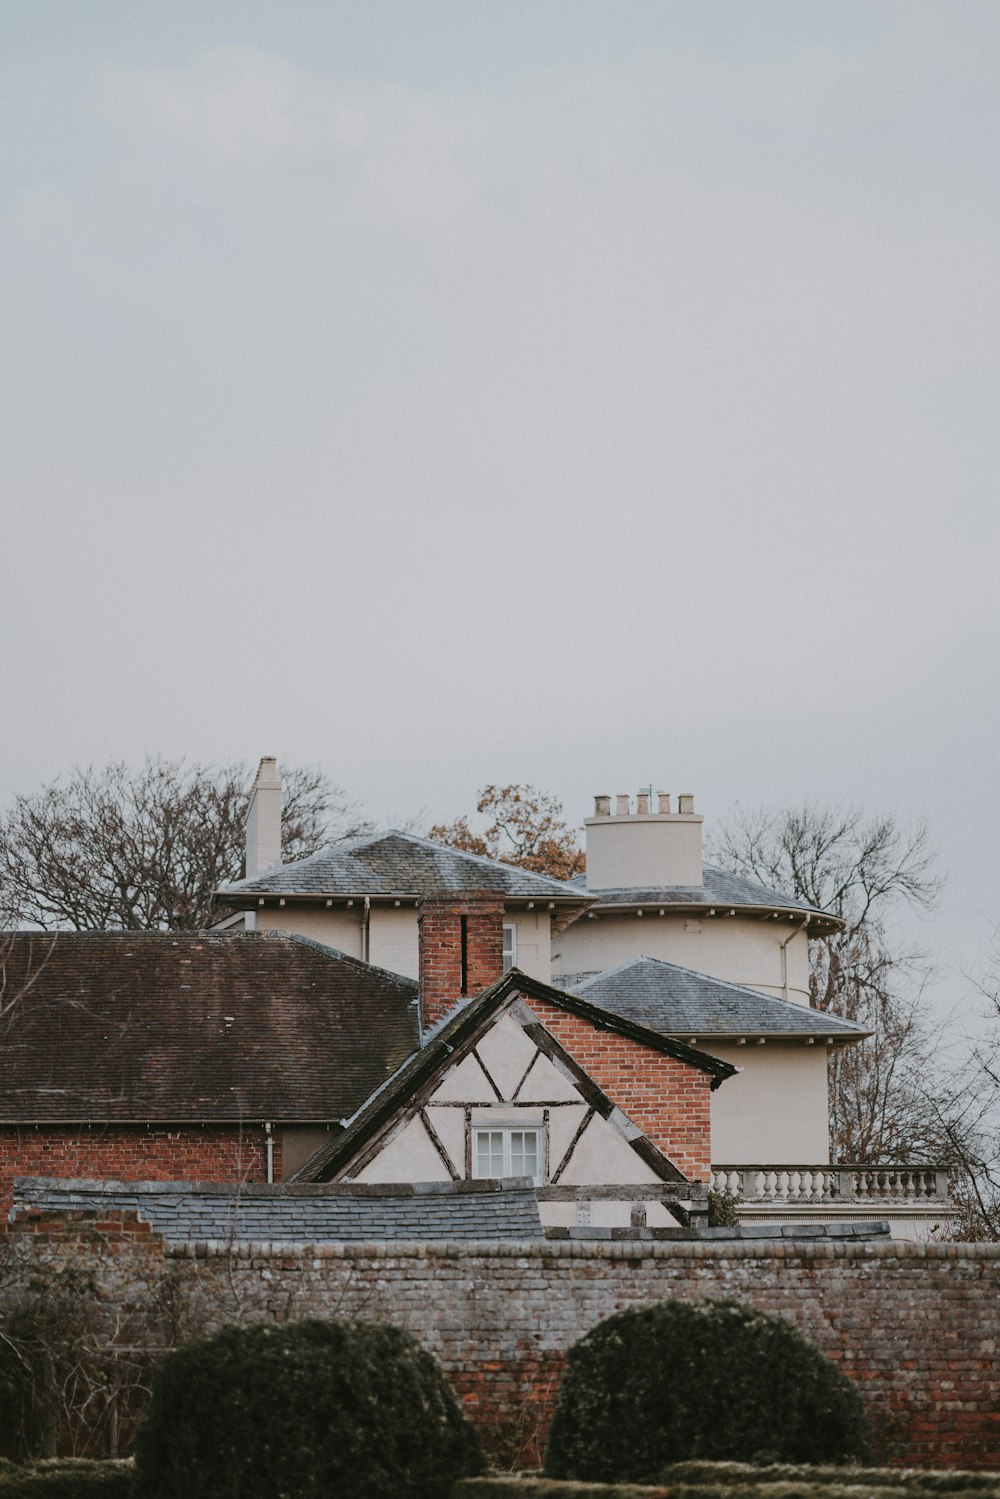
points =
(649, 933)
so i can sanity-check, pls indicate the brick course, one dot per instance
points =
(134, 1153)
(669, 1100)
(441, 948)
(914, 1325)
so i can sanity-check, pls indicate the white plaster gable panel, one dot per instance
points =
(602, 1155)
(409, 1156)
(449, 1126)
(466, 1082)
(506, 1053)
(545, 1083)
(563, 1125)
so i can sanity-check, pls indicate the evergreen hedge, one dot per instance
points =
(712, 1379)
(303, 1411)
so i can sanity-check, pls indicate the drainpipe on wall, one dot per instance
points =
(269, 1141)
(366, 928)
(784, 955)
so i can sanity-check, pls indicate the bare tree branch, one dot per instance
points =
(889, 1099)
(116, 848)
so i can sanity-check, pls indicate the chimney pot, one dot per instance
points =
(622, 809)
(685, 804)
(642, 804)
(663, 803)
(602, 806)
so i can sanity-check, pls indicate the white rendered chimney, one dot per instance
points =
(644, 850)
(263, 820)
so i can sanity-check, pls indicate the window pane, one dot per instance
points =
(524, 1153)
(489, 1152)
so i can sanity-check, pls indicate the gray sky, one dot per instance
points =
(561, 391)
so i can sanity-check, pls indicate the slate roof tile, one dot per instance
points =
(718, 888)
(399, 864)
(676, 1001)
(194, 1212)
(184, 1027)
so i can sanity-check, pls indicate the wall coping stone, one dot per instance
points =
(554, 1249)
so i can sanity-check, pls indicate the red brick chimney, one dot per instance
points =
(461, 948)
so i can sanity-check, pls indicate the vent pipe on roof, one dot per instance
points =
(263, 820)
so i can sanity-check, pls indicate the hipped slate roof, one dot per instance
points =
(718, 888)
(676, 1001)
(188, 1027)
(186, 1212)
(399, 865)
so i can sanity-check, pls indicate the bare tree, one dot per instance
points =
(115, 848)
(888, 1097)
(973, 1123)
(526, 828)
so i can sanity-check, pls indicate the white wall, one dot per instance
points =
(643, 852)
(774, 1112)
(534, 942)
(336, 928)
(741, 949)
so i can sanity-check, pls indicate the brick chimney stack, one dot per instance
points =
(461, 949)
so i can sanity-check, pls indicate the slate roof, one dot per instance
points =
(399, 865)
(676, 1001)
(186, 1027)
(454, 1030)
(185, 1212)
(718, 888)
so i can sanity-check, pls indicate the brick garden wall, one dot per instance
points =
(670, 1101)
(136, 1153)
(915, 1325)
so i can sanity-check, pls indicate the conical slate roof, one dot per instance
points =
(719, 888)
(676, 1001)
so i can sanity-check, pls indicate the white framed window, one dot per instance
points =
(507, 1151)
(509, 947)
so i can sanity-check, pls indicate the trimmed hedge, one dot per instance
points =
(913, 1480)
(67, 1478)
(304, 1411)
(703, 1480)
(711, 1379)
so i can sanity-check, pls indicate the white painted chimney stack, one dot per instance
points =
(643, 850)
(263, 820)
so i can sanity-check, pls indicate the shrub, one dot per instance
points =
(303, 1411)
(710, 1379)
(722, 1208)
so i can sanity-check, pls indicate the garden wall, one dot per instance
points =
(917, 1326)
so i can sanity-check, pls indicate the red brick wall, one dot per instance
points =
(441, 948)
(913, 1324)
(124, 1153)
(667, 1099)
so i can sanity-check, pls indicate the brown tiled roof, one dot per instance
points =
(186, 1027)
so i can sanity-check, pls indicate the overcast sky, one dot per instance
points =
(583, 393)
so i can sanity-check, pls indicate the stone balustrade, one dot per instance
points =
(883, 1185)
